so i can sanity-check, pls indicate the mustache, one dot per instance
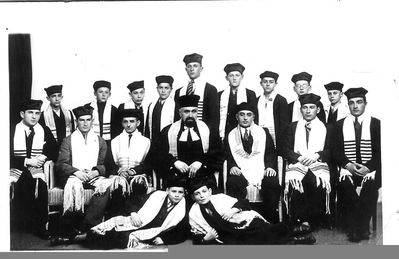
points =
(190, 122)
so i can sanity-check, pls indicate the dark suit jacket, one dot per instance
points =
(321, 115)
(63, 167)
(281, 118)
(116, 126)
(270, 158)
(339, 157)
(231, 121)
(211, 111)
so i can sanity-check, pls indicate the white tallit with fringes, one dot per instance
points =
(174, 130)
(106, 120)
(146, 214)
(224, 105)
(252, 165)
(266, 115)
(296, 111)
(48, 116)
(350, 139)
(84, 151)
(20, 150)
(128, 156)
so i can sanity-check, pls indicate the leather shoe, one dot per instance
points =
(307, 239)
(301, 230)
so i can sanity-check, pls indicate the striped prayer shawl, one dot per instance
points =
(350, 139)
(199, 89)
(106, 120)
(49, 120)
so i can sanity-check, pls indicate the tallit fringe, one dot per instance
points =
(73, 196)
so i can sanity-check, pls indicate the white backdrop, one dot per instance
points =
(75, 44)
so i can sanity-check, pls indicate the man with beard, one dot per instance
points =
(188, 148)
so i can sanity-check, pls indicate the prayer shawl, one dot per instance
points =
(297, 171)
(224, 104)
(167, 113)
(126, 156)
(174, 130)
(49, 120)
(350, 140)
(342, 112)
(84, 158)
(222, 204)
(20, 150)
(106, 120)
(265, 114)
(146, 214)
(199, 89)
(296, 111)
(252, 165)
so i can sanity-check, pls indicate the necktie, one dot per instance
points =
(358, 134)
(246, 135)
(170, 206)
(29, 141)
(190, 89)
(130, 136)
(307, 128)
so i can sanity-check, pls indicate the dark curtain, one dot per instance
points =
(20, 72)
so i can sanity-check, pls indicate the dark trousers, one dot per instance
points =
(270, 191)
(357, 209)
(309, 206)
(26, 210)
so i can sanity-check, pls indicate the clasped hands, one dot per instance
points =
(37, 161)
(86, 175)
(190, 169)
(268, 171)
(308, 160)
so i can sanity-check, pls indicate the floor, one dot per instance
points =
(26, 241)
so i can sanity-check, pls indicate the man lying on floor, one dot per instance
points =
(221, 219)
(162, 220)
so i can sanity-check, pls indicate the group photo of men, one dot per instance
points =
(171, 124)
(215, 167)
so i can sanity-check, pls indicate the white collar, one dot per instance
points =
(271, 97)
(242, 130)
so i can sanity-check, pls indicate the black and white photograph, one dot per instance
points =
(151, 126)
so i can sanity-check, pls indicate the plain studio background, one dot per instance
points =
(75, 44)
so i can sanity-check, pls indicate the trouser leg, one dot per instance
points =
(236, 186)
(270, 192)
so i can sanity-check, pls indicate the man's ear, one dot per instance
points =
(318, 109)
(138, 122)
(48, 98)
(22, 113)
(210, 190)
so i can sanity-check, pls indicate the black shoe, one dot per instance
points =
(56, 241)
(301, 230)
(307, 239)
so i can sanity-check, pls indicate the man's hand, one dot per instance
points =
(308, 160)
(136, 221)
(230, 213)
(158, 241)
(345, 174)
(363, 170)
(357, 169)
(296, 184)
(92, 174)
(270, 172)
(194, 167)
(235, 171)
(83, 176)
(41, 158)
(181, 166)
(211, 235)
(34, 162)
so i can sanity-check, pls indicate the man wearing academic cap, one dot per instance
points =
(80, 165)
(302, 86)
(188, 148)
(307, 181)
(208, 104)
(231, 96)
(31, 145)
(252, 162)
(160, 112)
(60, 120)
(337, 109)
(273, 108)
(357, 151)
(105, 121)
(136, 101)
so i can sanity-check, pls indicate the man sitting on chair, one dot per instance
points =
(307, 181)
(252, 162)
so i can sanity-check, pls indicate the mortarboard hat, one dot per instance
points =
(188, 100)
(309, 98)
(334, 86)
(164, 79)
(356, 92)
(136, 85)
(101, 83)
(131, 113)
(244, 106)
(31, 105)
(234, 67)
(83, 110)
(269, 74)
(192, 58)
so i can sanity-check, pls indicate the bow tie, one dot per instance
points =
(184, 134)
